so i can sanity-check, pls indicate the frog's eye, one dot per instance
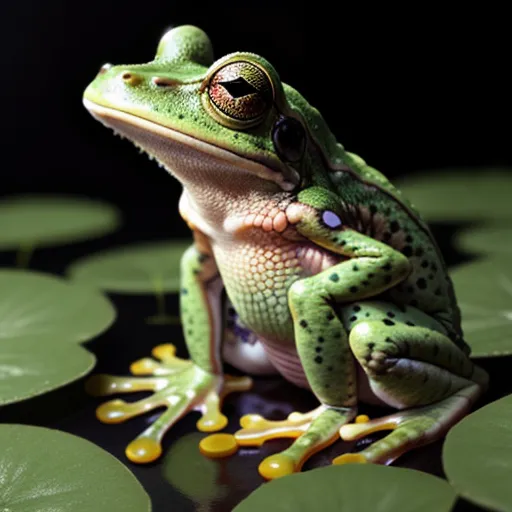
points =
(289, 139)
(240, 94)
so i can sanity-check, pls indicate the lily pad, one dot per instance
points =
(194, 475)
(33, 220)
(477, 456)
(463, 194)
(33, 304)
(490, 240)
(353, 488)
(149, 268)
(45, 470)
(135, 269)
(33, 366)
(484, 294)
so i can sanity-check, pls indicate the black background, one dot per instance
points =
(412, 89)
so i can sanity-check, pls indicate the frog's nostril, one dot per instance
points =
(131, 78)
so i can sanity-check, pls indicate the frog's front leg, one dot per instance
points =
(411, 365)
(321, 339)
(177, 384)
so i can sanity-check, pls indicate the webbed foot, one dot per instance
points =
(312, 431)
(178, 385)
(410, 429)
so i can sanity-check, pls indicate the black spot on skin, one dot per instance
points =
(373, 209)
(414, 303)
(355, 268)
(422, 284)
(184, 291)
(353, 318)
(419, 252)
(330, 316)
(394, 226)
(367, 315)
(354, 249)
(389, 340)
(202, 257)
(342, 242)
(329, 368)
(410, 323)
(437, 292)
(190, 332)
(389, 322)
(366, 283)
(424, 264)
(387, 267)
(371, 346)
(388, 279)
(318, 349)
(334, 278)
(303, 323)
(196, 271)
(407, 251)
(391, 314)
(409, 239)
(357, 309)
(320, 339)
(235, 136)
(386, 237)
(353, 289)
(181, 116)
(370, 275)
(318, 359)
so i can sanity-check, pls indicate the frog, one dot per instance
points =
(306, 262)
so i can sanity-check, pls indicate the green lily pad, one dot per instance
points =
(484, 294)
(50, 220)
(353, 488)
(34, 304)
(45, 470)
(477, 456)
(148, 268)
(33, 366)
(135, 269)
(490, 240)
(465, 194)
(196, 476)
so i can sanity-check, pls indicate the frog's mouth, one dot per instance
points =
(189, 159)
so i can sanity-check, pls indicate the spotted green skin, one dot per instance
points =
(388, 305)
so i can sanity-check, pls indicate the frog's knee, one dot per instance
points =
(376, 353)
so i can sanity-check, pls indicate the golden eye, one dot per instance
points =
(240, 94)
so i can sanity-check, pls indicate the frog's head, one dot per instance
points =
(231, 119)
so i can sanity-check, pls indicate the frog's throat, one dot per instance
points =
(178, 152)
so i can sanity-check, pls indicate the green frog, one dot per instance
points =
(306, 262)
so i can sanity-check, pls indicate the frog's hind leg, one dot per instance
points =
(413, 366)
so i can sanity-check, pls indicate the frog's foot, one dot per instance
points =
(312, 432)
(410, 429)
(178, 385)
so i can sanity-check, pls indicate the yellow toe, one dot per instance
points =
(350, 458)
(143, 450)
(218, 445)
(276, 466)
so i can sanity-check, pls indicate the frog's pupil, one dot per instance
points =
(238, 87)
(289, 139)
